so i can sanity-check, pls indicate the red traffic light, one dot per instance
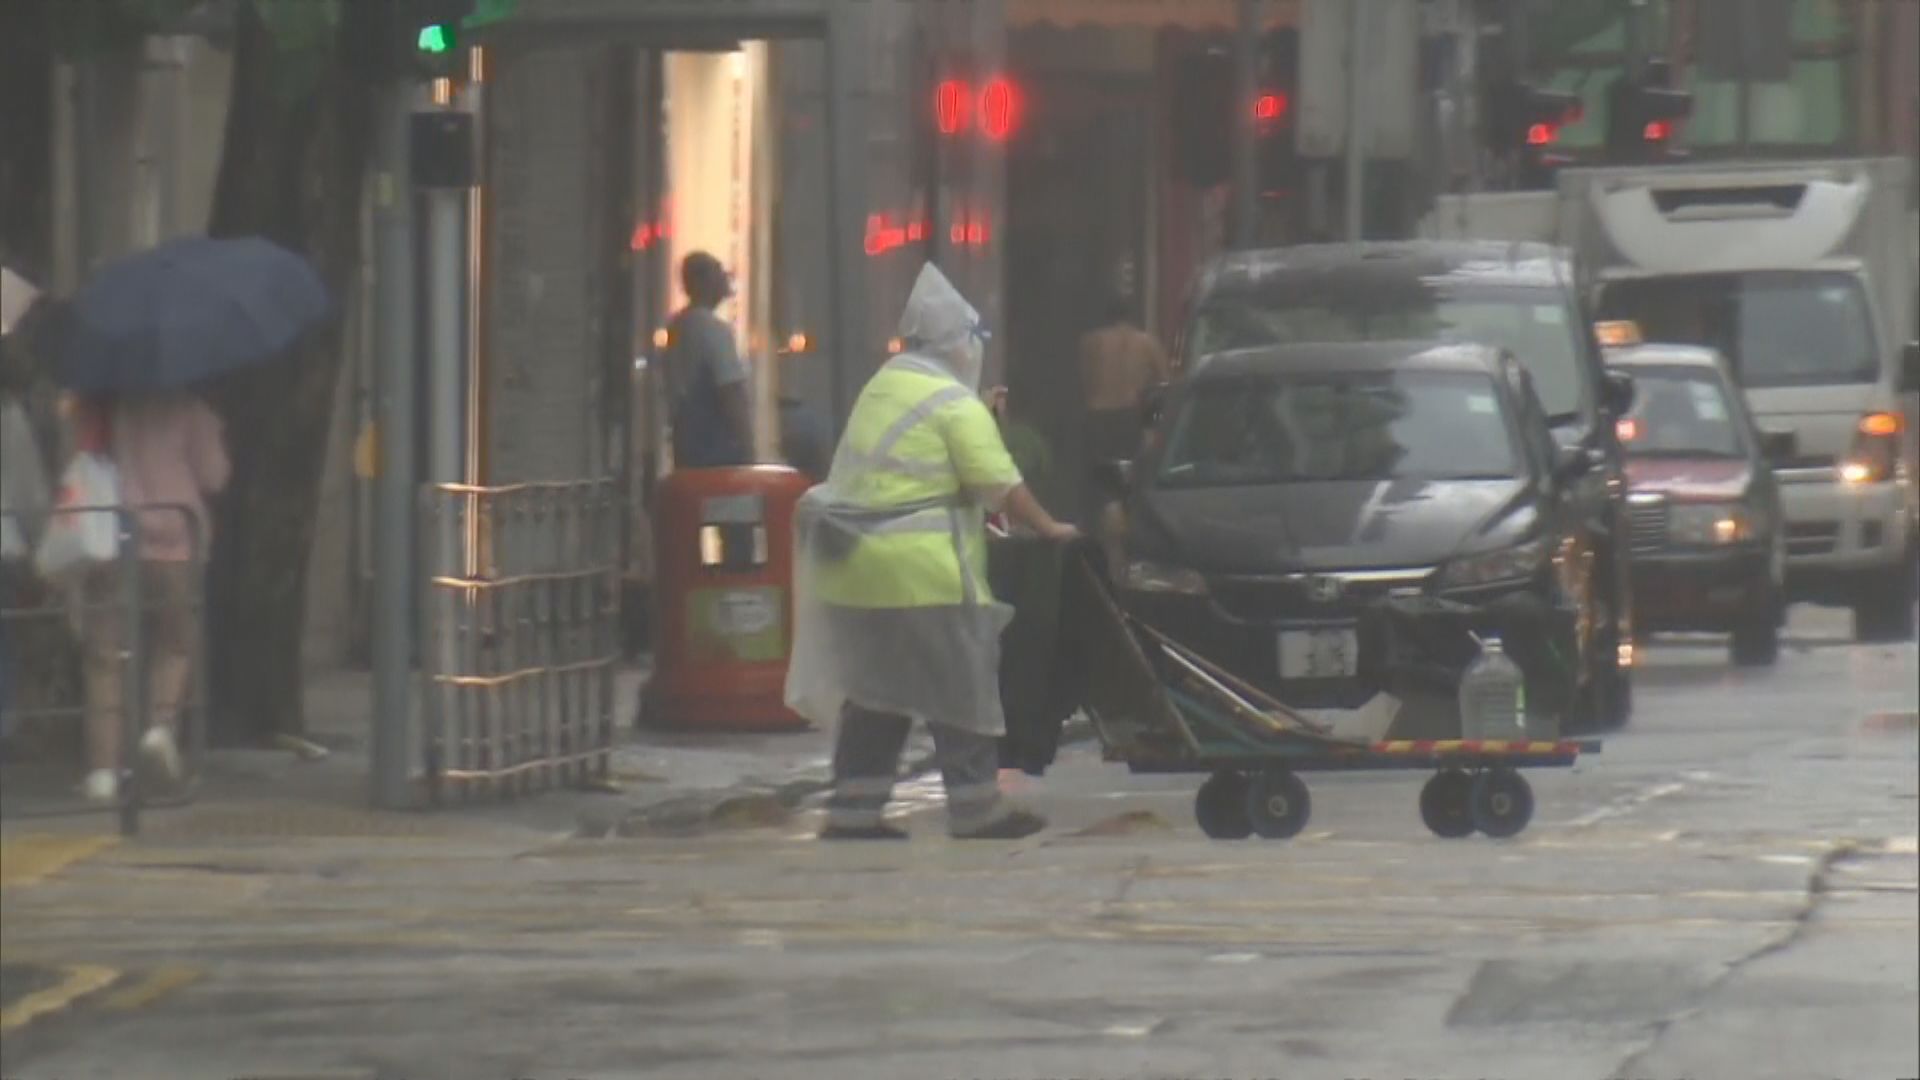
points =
(1541, 134)
(1657, 131)
(1270, 108)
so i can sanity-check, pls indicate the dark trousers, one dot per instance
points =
(866, 760)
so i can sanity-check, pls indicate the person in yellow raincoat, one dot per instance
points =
(893, 619)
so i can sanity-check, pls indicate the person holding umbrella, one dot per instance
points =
(171, 459)
(134, 345)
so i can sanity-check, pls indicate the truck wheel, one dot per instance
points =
(1756, 639)
(1756, 643)
(1884, 610)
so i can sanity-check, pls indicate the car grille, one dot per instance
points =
(1812, 537)
(1303, 596)
(1647, 525)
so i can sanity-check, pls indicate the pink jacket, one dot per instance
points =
(170, 453)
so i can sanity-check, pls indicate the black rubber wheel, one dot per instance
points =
(1277, 804)
(1220, 807)
(1502, 803)
(1446, 804)
(1884, 611)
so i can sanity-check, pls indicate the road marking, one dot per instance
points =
(1626, 804)
(80, 980)
(161, 982)
(33, 857)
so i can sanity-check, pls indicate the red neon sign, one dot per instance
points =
(952, 103)
(999, 109)
(884, 236)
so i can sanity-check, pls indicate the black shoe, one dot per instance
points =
(862, 832)
(1013, 826)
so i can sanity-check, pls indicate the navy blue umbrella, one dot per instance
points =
(184, 312)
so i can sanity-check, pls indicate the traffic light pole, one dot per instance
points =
(1245, 43)
(1355, 195)
(393, 312)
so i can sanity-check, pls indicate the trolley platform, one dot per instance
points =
(1159, 707)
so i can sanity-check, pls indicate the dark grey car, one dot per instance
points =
(1523, 298)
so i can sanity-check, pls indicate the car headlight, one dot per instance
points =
(1710, 524)
(1508, 564)
(1153, 577)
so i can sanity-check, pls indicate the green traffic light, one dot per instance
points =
(435, 39)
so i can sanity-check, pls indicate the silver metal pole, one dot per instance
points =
(853, 350)
(393, 609)
(1356, 126)
(446, 275)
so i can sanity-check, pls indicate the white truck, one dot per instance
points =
(1803, 275)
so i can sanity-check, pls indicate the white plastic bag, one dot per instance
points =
(76, 538)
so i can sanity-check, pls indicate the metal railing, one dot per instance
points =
(117, 590)
(520, 605)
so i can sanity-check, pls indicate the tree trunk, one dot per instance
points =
(291, 170)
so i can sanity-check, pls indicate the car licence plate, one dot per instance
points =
(1321, 653)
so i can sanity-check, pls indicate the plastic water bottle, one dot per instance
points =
(1493, 695)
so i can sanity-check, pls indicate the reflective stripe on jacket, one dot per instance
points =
(925, 447)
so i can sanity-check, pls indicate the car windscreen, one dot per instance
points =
(1681, 413)
(1264, 429)
(1776, 328)
(1536, 324)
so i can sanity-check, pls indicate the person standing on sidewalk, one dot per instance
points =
(893, 619)
(710, 411)
(171, 455)
(1119, 363)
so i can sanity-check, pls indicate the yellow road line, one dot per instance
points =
(32, 857)
(81, 980)
(160, 983)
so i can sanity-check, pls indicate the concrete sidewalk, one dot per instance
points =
(672, 782)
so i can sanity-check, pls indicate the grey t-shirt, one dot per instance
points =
(697, 338)
(701, 360)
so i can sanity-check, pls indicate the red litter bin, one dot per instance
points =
(723, 585)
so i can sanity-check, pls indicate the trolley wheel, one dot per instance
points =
(1446, 804)
(1221, 807)
(1277, 804)
(1502, 803)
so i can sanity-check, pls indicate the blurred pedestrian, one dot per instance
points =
(894, 621)
(707, 395)
(1119, 364)
(171, 457)
(24, 496)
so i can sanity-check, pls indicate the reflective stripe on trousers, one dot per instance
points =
(866, 760)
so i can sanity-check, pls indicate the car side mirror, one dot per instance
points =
(1779, 445)
(1619, 392)
(1910, 368)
